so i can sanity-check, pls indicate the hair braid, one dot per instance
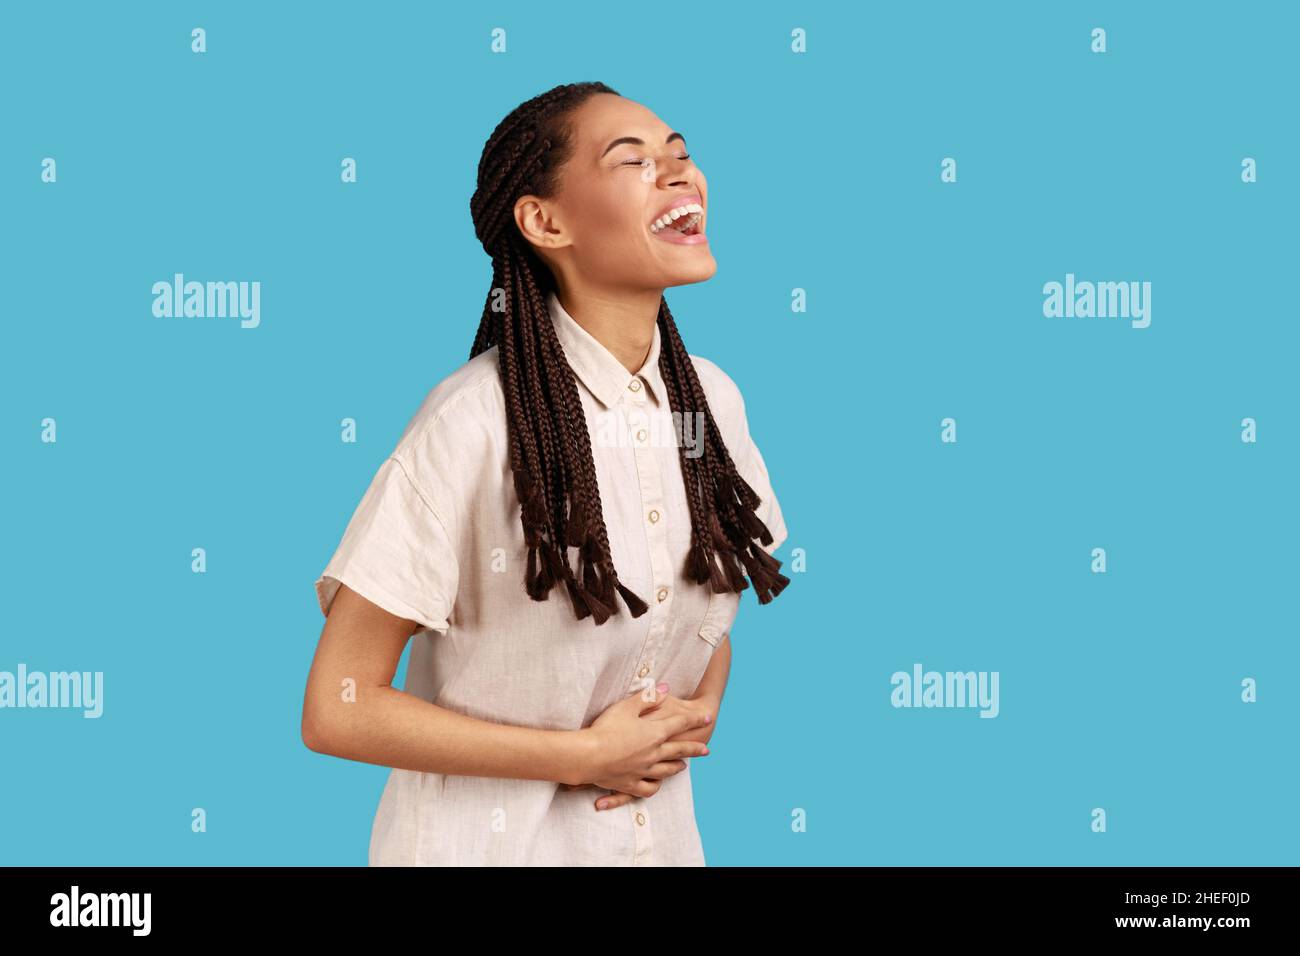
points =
(549, 441)
(721, 523)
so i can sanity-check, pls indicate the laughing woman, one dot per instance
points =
(565, 526)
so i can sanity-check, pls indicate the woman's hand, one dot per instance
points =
(702, 703)
(632, 753)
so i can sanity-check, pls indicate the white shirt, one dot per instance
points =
(437, 539)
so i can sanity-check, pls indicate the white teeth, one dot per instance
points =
(695, 210)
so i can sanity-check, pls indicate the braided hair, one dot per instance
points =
(550, 444)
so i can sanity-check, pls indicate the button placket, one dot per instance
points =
(652, 499)
(643, 838)
(652, 504)
(638, 424)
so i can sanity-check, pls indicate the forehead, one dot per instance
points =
(605, 117)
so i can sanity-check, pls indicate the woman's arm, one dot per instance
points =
(708, 695)
(714, 681)
(352, 711)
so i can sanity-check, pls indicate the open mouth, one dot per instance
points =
(684, 220)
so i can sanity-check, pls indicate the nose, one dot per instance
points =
(675, 172)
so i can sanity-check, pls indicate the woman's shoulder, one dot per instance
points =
(725, 399)
(716, 381)
(462, 417)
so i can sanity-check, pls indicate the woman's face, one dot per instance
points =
(627, 170)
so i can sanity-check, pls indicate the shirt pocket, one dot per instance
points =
(719, 616)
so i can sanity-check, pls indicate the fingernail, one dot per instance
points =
(662, 687)
(706, 751)
(708, 718)
(601, 804)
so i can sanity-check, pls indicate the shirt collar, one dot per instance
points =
(603, 374)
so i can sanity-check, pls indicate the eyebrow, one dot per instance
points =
(640, 142)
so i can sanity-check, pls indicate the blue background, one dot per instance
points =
(1118, 690)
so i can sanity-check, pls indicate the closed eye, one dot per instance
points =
(642, 162)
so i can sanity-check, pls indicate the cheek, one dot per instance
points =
(613, 249)
(606, 222)
(619, 242)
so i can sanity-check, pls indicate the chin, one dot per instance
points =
(698, 272)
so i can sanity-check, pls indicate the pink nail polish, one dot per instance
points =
(601, 804)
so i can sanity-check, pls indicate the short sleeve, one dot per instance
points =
(396, 553)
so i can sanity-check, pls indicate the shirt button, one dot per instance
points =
(653, 516)
(645, 669)
(640, 436)
(640, 819)
(635, 385)
(663, 594)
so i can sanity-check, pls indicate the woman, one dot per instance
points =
(581, 424)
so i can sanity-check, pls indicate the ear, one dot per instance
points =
(538, 223)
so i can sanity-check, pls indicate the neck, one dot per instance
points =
(623, 322)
